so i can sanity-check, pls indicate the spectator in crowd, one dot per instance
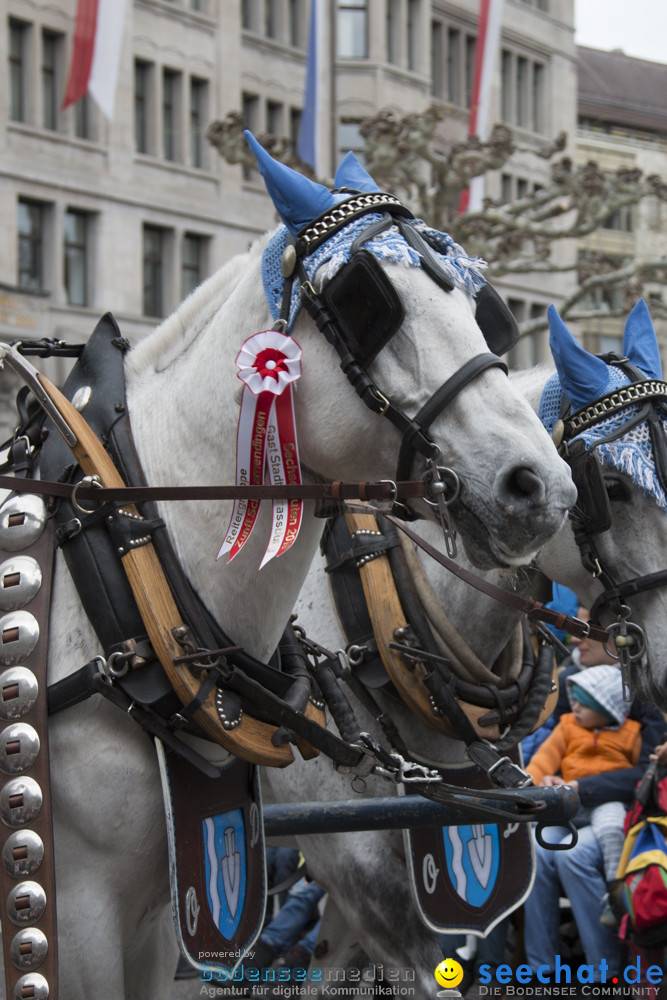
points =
(298, 914)
(596, 736)
(578, 872)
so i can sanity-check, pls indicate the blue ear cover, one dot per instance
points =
(583, 377)
(297, 199)
(352, 175)
(640, 344)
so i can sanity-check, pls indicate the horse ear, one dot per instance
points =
(583, 377)
(351, 174)
(640, 344)
(297, 199)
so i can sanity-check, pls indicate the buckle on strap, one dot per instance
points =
(502, 771)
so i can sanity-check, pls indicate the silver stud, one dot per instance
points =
(34, 985)
(19, 634)
(288, 261)
(28, 949)
(26, 903)
(18, 692)
(19, 748)
(81, 397)
(20, 580)
(22, 853)
(22, 521)
(558, 432)
(20, 802)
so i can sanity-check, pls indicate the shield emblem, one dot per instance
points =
(465, 879)
(473, 860)
(225, 866)
(217, 864)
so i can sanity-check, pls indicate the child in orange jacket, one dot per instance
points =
(596, 736)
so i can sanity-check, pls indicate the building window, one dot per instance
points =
(170, 131)
(414, 38)
(250, 104)
(198, 116)
(454, 66)
(50, 48)
(274, 118)
(523, 92)
(193, 267)
(154, 268)
(142, 78)
(18, 41)
(296, 32)
(350, 138)
(83, 127)
(620, 219)
(352, 28)
(295, 116)
(75, 245)
(393, 29)
(437, 60)
(248, 14)
(471, 52)
(506, 189)
(271, 24)
(31, 215)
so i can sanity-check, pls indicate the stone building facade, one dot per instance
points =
(130, 215)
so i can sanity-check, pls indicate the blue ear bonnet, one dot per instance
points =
(632, 452)
(299, 201)
(465, 272)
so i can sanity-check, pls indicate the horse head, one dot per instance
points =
(409, 318)
(608, 414)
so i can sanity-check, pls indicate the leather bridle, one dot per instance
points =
(364, 275)
(591, 516)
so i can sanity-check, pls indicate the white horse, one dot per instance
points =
(370, 906)
(115, 936)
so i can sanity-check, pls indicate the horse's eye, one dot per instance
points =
(618, 490)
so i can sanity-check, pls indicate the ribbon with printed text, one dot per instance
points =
(268, 364)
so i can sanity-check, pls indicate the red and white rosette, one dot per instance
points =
(268, 363)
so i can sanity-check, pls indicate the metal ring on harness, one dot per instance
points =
(87, 481)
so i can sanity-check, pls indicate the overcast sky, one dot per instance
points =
(639, 27)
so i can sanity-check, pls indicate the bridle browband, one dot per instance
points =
(592, 513)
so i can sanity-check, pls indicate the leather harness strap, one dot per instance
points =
(246, 736)
(535, 610)
(411, 673)
(336, 491)
(27, 873)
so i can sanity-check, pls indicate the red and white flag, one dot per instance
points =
(98, 41)
(486, 54)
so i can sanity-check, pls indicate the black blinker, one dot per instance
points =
(495, 321)
(364, 305)
(592, 499)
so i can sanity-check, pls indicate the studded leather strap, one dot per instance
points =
(27, 873)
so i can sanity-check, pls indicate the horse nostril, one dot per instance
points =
(519, 485)
(525, 481)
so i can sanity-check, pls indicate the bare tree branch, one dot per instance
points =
(405, 155)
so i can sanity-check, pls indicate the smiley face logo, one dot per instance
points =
(449, 973)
